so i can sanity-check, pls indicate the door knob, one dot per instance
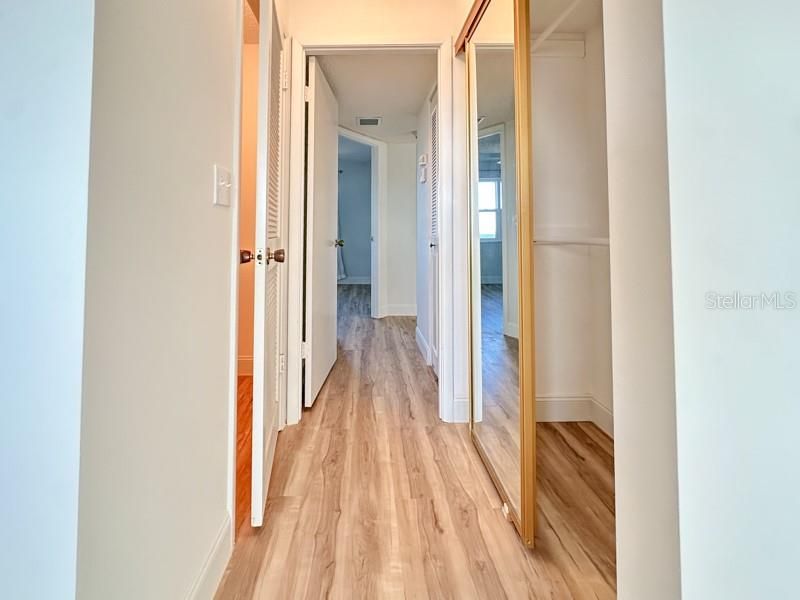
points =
(278, 255)
(245, 256)
(339, 243)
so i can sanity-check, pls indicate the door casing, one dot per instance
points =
(295, 349)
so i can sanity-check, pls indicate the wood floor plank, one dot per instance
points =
(373, 497)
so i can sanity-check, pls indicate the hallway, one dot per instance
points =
(372, 496)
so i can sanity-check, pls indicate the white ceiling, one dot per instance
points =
(495, 86)
(586, 15)
(250, 33)
(391, 85)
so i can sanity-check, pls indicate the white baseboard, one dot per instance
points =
(461, 410)
(424, 347)
(563, 408)
(554, 408)
(511, 330)
(355, 280)
(603, 418)
(245, 365)
(399, 310)
(211, 574)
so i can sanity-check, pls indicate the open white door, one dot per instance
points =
(268, 308)
(321, 224)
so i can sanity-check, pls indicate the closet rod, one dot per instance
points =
(571, 242)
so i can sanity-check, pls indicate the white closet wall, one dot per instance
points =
(573, 317)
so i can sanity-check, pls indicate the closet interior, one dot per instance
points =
(570, 214)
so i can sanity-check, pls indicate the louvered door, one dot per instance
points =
(268, 310)
(434, 237)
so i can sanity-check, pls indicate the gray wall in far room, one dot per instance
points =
(354, 218)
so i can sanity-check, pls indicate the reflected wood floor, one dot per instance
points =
(498, 431)
(373, 497)
(244, 449)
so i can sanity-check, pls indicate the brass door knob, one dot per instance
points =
(278, 255)
(245, 256)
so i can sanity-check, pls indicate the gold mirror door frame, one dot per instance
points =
(525, 521)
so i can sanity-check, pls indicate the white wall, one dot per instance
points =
(733, 124)
(599, 268)
(497, 23)
(355, 210)
(154, 444)
(573, 359)
(359, 22)
(401, 235)
(641, 304)
(45, 103)
(569, 185)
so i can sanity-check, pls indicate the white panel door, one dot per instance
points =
(269, 310)
(321, 230)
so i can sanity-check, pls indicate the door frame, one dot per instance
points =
(295, 345)
(379, 195)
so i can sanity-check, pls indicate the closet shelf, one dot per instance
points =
(571, 241)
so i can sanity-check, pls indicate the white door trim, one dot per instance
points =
(379, 176)
(444, 85)
(300, 51)
(295, 254)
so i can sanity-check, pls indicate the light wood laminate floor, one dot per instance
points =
(372, 496)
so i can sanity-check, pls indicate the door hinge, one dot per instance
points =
(282, 363)
(303, 349)
(307, 93)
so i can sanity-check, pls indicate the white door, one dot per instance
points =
(269, 310)
(434, 243)
(321, 225)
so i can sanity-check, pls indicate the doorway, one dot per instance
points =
(366, 112)
(353, 254)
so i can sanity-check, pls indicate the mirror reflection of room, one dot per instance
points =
(497, 429)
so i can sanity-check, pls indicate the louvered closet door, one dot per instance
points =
(268, 308)
(433, 268)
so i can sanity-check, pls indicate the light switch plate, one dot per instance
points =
(222, 186)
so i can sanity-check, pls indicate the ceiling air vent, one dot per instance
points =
(369, 121)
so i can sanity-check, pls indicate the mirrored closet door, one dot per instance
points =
(537, 116)
(500, 309)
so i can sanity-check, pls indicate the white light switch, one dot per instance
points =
(222, 186)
